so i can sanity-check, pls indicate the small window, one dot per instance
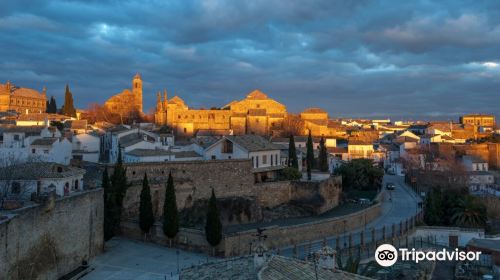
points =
(15, 188)
(213, 157)
(16, 137)
(227, 147)
(33, 151)
(264, 159)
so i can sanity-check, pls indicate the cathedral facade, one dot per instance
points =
(22, 100)
(129, 101)
(256, 114)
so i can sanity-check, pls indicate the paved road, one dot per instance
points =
(128, 259)
(401, 206)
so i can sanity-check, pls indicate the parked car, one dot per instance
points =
(390, 186)
(364, 201)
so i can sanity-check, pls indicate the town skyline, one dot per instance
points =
(149, 101)
(356, 60)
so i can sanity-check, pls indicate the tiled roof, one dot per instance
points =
(118, 129)
(283, 268)
(38, 170)
(148, 152)
(275, 268)
(490, 244)
(205, 141)
(76, 124)
(253, 143)
(24, 129)
(256, 94)
(44, 142)
(186, 154)
(314, 111)
(134, 138)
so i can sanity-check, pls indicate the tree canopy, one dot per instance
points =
(51, 106)
(309, 155)
(213, 226)
(360, 174)
(68, 108)
(323, 156)
(146, 216)
(451, 207)
(292, 154)
(170, 211)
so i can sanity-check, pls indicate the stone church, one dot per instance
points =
(129, 101)
(256, 114)
(22, 100)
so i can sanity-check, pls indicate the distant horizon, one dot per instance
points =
(435, 116)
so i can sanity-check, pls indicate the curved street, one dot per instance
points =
(400, 204)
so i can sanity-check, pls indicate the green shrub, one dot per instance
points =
(289, 173)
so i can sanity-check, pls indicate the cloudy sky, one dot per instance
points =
(418, 59)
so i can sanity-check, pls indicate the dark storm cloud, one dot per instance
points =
(353, 58)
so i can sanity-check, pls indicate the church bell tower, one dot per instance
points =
(137, 92)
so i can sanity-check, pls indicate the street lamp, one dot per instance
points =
(177, 253)
(345, 243)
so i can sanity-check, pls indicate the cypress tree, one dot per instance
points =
(213, 226)
(323, 156)
(119, 187)
(53, 105)
(292, 154)
(146, 217)
(170, 212)
(109, 206)
(309, 156)
(47, 107)
(68, 109)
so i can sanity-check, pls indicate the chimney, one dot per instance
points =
(327, 258)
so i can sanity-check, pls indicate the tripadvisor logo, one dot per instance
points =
(386, 255)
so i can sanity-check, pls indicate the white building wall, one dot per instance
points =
(258, 158)
(442, 234)
(215, 152)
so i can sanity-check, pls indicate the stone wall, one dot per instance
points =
(194, 180)
(321, 196)
(50, 240)
(280, 236)
(239, 243)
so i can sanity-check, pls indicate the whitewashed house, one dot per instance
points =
(19, 144)
(86, 146)
(21, 181)
(129, 139)
(265, 156)
(472, 163)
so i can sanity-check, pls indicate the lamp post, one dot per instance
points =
(345, 243)
(177, 253)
